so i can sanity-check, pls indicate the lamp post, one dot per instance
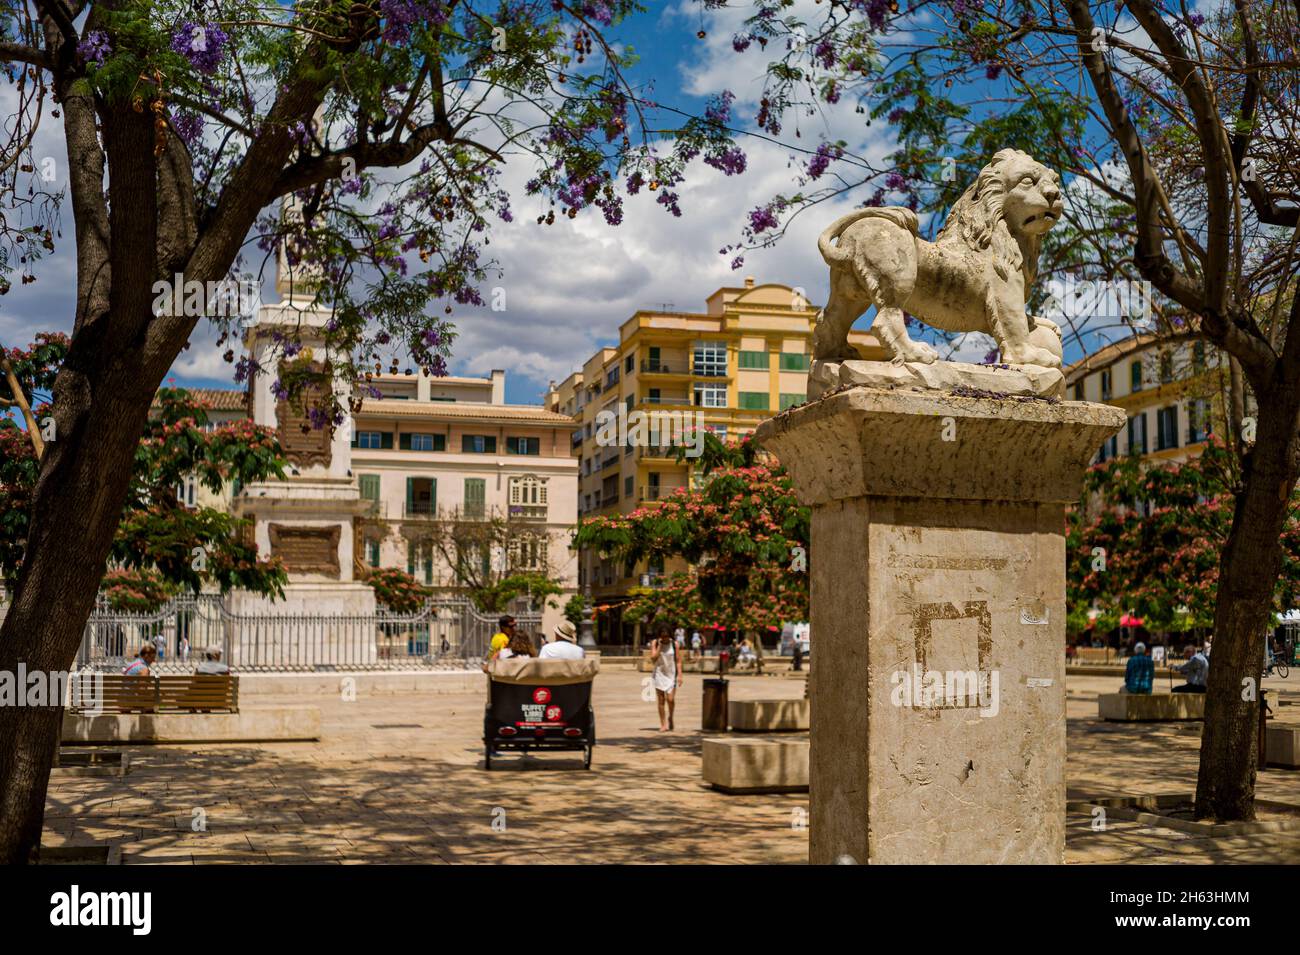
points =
(585, 638)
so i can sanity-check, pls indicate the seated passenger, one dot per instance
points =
(564, 646)
(212, 662)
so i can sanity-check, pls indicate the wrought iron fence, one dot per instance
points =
(446, 633)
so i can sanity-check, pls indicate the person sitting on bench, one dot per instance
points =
(212, 662)
(1196, 670)
(142, 662)
(1140, 671)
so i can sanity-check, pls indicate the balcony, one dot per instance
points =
(419, 509)
(577, 438)
(666, 400)
(528, 512)
(659, 492)
(609, 499)
(651, 367)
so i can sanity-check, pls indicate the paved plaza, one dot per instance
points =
(400, 779)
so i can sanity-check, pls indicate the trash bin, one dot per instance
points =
(714, 711)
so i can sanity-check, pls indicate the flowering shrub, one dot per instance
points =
(397, 590)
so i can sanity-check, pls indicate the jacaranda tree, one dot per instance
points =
(385, 123)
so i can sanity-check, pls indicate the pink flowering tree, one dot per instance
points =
(743, 532)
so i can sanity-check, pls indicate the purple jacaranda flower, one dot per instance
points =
(203, 44)
(94, 47)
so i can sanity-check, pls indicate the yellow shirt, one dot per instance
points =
(499, 642)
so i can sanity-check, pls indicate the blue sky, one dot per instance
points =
(569, 286)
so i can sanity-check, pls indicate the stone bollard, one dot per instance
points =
(938, 612)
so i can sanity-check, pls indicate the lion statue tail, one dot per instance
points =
(900, 216)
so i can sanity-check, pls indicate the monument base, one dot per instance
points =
(992, 381)
(938, 608)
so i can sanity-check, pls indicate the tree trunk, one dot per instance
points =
(1248, 573)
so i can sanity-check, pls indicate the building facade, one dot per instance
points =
(1172, 389)
(725, 369)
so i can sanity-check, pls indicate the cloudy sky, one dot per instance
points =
(570, 285)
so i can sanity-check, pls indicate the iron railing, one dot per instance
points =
(445, 633)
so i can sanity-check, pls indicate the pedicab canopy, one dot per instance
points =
(530, 670)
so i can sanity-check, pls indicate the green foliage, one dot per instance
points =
(157, 538)
(397, 590)
(1147, 540)
(497, 595)
(739, 529)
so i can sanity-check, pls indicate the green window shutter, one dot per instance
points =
(369, 486)
(386, 440)
(654, 354)
(404, 441)
(475, 496)
(794, 361)
(355, 437)
(410, 495)
(754, 400)
(374, 553)
(433, 495)
(410, 557)
(1135, 376)
(790, 400)
(440, 442)
(490, 445)
(754, 359)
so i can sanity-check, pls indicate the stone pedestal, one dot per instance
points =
(938, 616)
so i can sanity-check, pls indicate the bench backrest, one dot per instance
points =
(175, 693)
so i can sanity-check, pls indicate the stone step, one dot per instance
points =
(252, 724)
(1150, 707)
(740, 765)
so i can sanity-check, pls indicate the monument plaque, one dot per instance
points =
(303, 444)
(307, 550)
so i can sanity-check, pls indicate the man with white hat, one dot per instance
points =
(564, 646)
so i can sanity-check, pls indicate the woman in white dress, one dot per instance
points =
(667, 676)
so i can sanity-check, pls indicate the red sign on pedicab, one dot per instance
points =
(541, 695)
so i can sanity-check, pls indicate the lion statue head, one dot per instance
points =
(1013, 202)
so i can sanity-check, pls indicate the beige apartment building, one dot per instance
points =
(1172, 390)
(742, 359)
(432, 451)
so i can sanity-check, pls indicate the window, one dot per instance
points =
(1137, 434)
(611, 379)
(1167, 428)
(372, 440)
(1105, 385)
(794, 361)
(527, 497)
(422, 442)
(1198, 420)
(185, 491)
(475, 497)
(523, 445)
(754, 359)
(790, 400)
(1198, 356)
(369, 487)
(1135, 376)
(1109, 450)
(1166, 368)
(528, 553)
(711, 396)
(710, 358)
(478, 444)
(421, 495)
(627, 485)
(628, 363)
(419, 560)
(372, 552)
(1078, 392)
(754, 400)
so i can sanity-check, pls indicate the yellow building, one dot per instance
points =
(725, 369)
(1172, 389)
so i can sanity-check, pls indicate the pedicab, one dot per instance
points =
(539, 705)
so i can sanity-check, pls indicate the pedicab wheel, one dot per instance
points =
(586, 762)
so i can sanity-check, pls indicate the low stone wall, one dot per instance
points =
(740, 765)
(253, 724)
(768, 716)
(1150, 707)
(374, 683)
(1282, 745)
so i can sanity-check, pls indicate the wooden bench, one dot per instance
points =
(167, 693)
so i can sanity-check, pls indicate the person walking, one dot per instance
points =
(666, 675)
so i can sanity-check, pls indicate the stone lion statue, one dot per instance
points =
(974, 277)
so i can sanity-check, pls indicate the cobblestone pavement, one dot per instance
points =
(400, 779)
